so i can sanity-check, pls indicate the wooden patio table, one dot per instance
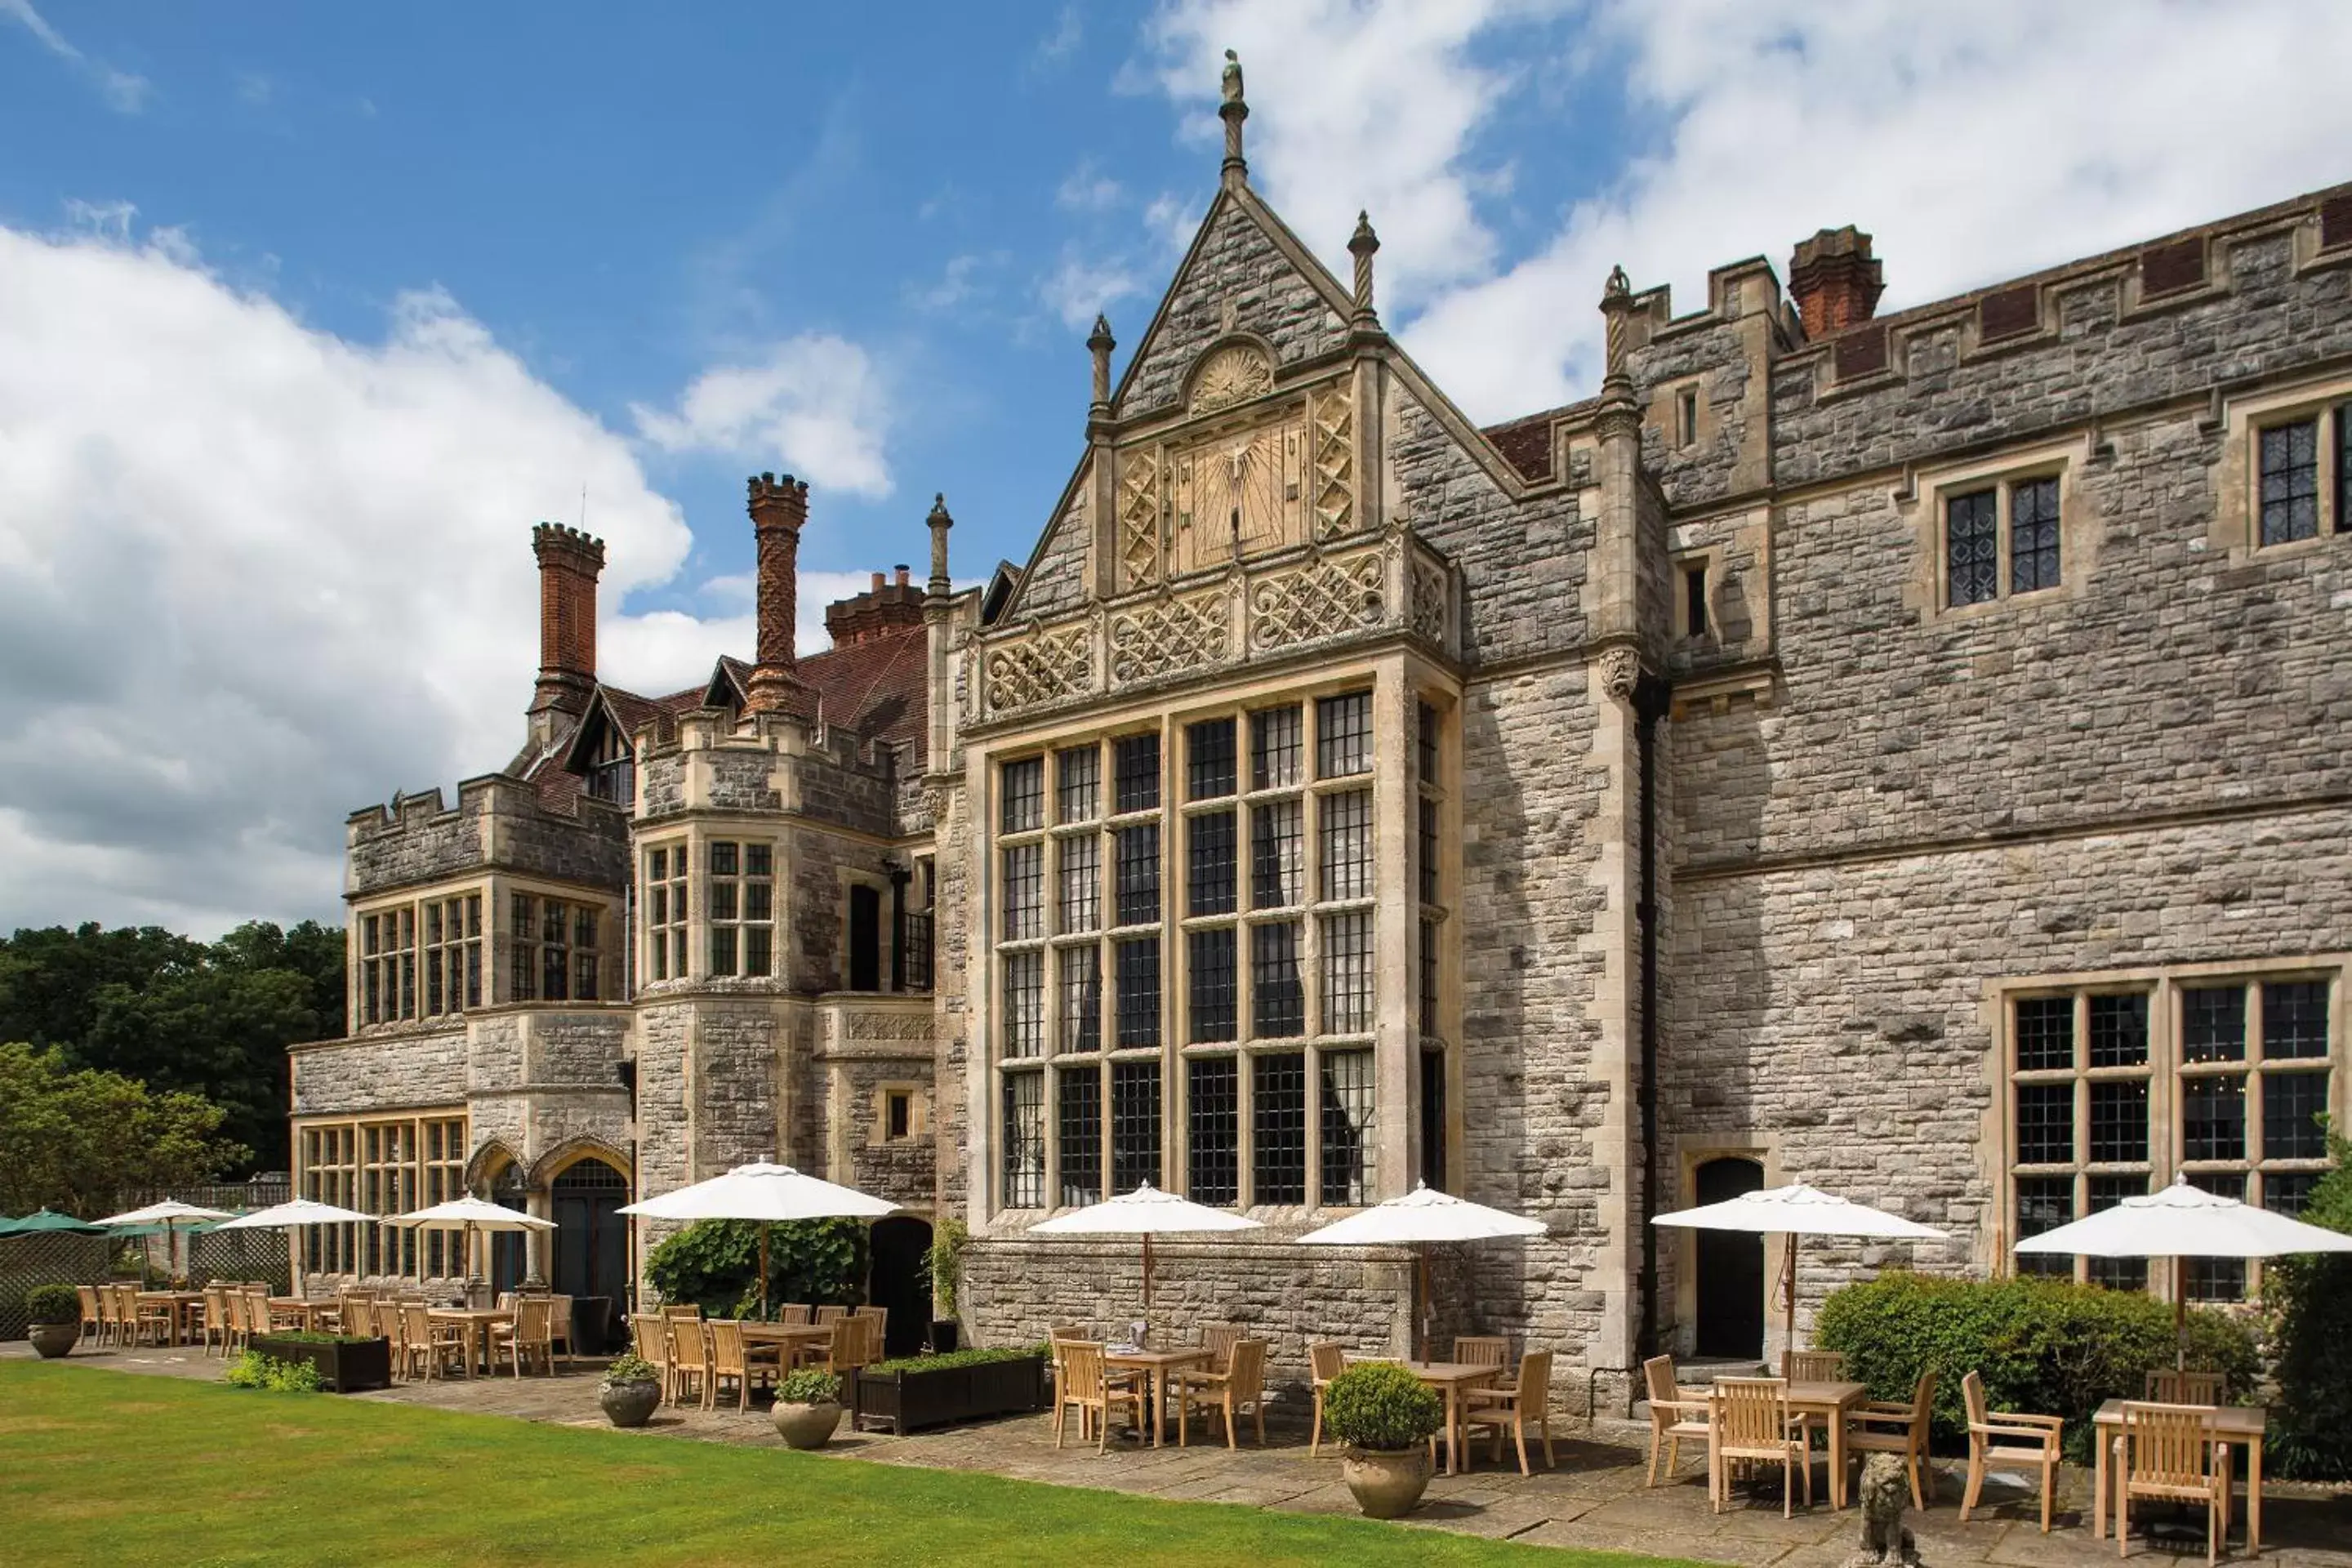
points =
(787, 1339)
(317, 1316)
(476, 1322)
(1830, 1402)
(1155, 1366)
(2243, 1425)
(181, 1302)
(1449, 1378)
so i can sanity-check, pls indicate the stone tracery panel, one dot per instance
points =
(1138, 518)
(1056, 663)
(1167, 636)
(1323, 598)
(1332, 432)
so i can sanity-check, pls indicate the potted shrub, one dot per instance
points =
(54, 1312)
(808, 1408)
(631, 1391)
(1383, 1416)
(346, 1363)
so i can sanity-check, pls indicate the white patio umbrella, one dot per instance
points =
(1794, 1211)
(293, 1214)
(1146, 1212)
(1423, 1215)
(2182, 1222)
(474, 1214)
(171, 1214)
(767, 1192)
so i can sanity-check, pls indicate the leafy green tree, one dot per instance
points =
(2310, 1303)
(50, 977)
(69, 1138)
(715, 1264)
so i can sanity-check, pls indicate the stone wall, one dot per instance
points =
(497, 823)
(382, 1072)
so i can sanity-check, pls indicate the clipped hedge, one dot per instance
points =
(2049, 1346)
(715, 1264)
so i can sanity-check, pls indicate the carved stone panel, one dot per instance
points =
(1229, 375)
(1167, 636)
(1333, 423)
(1138, 518)
(1239, 494)
(1053, 664)
(1321, 599)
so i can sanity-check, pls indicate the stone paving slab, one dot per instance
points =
(1595, 1498)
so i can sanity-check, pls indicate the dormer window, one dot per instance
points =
(612, 768)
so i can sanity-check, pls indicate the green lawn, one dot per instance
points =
(109, 1468)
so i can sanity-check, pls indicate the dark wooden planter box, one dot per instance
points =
(344, 1368)
(903, 1402)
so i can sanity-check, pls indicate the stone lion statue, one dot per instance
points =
(1885, 1491)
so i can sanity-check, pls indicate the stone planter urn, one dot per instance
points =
(807, 1426)
(629, 1404)
(53, 1340)
(1387, 1482)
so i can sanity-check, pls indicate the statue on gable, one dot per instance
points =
(1231, 80)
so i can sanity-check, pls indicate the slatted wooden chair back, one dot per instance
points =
(681, 1312)
(646, 1337)
(727, 1347)
(1658, 1375)
(1972, 1395)
(1535, 1381)
(690, 1345)
(2171, 1385)
(831, 1314)
(358, 1316)
(1482, 1350)
(1923, 1404)
(1813, 1366)
(559, 1319)
(415, 1324)
(1218, 1340)
(88, 1296)
(1752, 1414)
(793, 1312)
(1326, 1361)
(1082, 1370)
(2167, 1448)
(1246, 1370)
(102, 1298)
(534, 1322)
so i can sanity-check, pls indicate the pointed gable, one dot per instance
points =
(1246, 272)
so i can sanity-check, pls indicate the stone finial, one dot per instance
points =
(1616, 306)
(1363, 245)
(939, 522)
(1232, 112)
(1099, 342)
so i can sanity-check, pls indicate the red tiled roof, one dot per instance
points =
(878, 686)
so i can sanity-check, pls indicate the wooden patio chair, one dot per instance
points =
(157, 1322)
(1525, 1404)
(1242, 1383)
(1677, 1414)
(2009, 1437)
(1084, 1384)
(215, 1326)
(727, 1364)
(831, 1314)
(559, 1325)
(1813, 1366)
(530, 1338)
(680, 1311)
(1325, 1360)
(88, 1296)
(649, 1337)
(2171, 1385)
(103, 1296)
(690, 1359)
(2169, 1451)
(1748, 1421)
(431, 1347)
(1218, 1340)
(1882, 1427)
(1482, 1350)
(793, 1312)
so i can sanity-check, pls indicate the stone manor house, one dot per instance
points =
(1901, 752)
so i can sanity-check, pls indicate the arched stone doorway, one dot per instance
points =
(898, 1281)
(590, 1240)
(510, 1252)
(1730, 1267)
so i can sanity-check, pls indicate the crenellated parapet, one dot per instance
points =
(1303, 600)
(498, 823)
(772, 763)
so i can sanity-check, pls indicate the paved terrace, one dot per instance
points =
(1595, 1498)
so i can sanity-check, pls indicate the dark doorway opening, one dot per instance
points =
(900, 1283)
(865, 938)
(592, 1236)
(510, 1254)
(1730, 1269)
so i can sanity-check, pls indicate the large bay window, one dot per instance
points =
(421, 959)
(382, 1165)
(554, 949)
(2118, 1087)
(1186, 986)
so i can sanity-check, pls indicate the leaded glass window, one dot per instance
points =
(2290, 482)
(1972, 547)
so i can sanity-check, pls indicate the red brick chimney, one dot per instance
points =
(568, 563)
(886, 606)
(1834, 281)
(779, 507)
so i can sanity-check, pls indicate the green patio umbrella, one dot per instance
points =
(45, 1220)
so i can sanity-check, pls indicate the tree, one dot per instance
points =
(220, 1032)
(2311, 1332)
(71, 1138)
(50, 978)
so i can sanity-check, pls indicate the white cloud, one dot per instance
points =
(254, 576)
(958, 282)
(1082, 286)
(1087, 189)
(814, 404)
(122, 91)
(1974, 141)
(1069, 31)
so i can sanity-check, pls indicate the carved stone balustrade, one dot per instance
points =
(1303, 600)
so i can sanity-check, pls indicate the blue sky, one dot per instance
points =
(308, 312)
